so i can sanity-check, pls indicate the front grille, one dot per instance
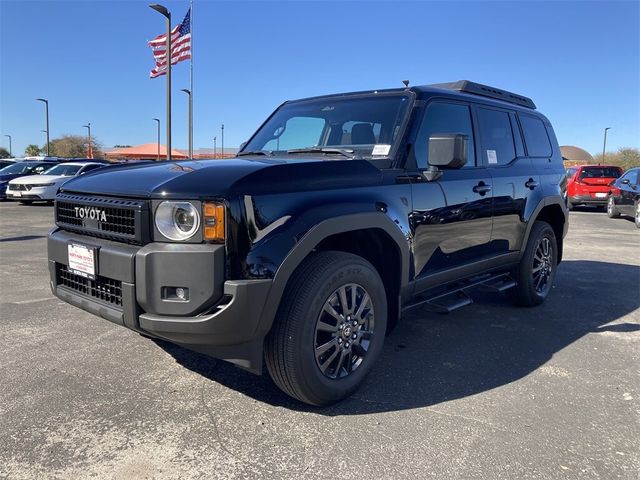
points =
(112, 218)
(19, 187)
(102, 289)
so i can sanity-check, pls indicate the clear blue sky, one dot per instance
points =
(579, 61)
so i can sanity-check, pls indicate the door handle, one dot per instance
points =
(482, 188)
(531, 184)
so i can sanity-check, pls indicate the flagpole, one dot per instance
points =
(191, 82)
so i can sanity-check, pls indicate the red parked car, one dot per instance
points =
(590, 184)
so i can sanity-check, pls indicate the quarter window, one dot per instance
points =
(535, 136)
(444, 118)
(496, 136)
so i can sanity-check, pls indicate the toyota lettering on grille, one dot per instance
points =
(91, 213)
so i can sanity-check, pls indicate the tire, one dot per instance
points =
(612, 210)
(25, 202)
(541, 253)
(637, 215)
(571, 206)
(292, 356)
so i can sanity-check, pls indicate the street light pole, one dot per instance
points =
(10, 154)
(89, 149)
(163, 11)
(604, 146)
(158, 120)
(214, 146)
(46, 112)
(188, 92)
(222, 145)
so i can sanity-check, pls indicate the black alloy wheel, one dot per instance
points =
(329, 329)
(537, 268)
(344, 330)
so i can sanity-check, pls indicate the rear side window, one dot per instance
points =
(535, 136)
(600, 172)
(496, 136)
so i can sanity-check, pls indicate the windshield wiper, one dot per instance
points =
(329, 151)
(253, 152)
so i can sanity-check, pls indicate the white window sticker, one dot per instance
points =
(381, 149)
(492, 157)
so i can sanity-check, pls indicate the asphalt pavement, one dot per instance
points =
(487, 392)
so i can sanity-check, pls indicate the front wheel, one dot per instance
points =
(537, 269)
(329, 329)
(612, 210)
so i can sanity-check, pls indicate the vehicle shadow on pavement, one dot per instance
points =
(431, 358)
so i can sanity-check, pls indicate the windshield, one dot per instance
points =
(600, 172)
(365, 126)
(64, 170)
(25, 167)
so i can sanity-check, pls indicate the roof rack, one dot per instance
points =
(486, 91)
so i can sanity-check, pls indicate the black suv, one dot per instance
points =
(339, 214)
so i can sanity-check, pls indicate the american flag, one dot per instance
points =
(180, 46)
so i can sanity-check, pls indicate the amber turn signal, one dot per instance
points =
(213, 222)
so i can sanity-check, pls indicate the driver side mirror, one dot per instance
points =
(448, 150)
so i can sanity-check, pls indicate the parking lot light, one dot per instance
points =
(188, 92)
(46, 112)
(167, 14)
(10, 154)
(158, 120)
(604, 146)
(90, 151)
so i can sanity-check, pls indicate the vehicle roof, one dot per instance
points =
(590, 165)
(447, 90)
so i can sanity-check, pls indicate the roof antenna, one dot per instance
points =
(406, 84)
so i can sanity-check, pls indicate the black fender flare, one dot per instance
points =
(322, 230)
(546, 202)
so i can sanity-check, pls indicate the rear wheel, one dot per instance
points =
(571, 206)
(537, 269)
(612, 210)
(329, 329)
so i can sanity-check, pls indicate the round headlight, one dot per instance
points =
(177, 220)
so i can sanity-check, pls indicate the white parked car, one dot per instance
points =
(44, 187)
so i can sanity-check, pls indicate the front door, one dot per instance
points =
(451, 217)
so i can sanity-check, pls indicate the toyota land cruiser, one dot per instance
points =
(339, 214)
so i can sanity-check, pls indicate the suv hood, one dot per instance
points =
(203, 179)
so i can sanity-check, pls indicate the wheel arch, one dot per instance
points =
(346, 233)
(554, 212)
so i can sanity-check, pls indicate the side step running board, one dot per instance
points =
(457, 296)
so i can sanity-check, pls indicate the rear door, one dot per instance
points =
(513, 175)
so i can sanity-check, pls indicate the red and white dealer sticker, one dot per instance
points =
(82, 260)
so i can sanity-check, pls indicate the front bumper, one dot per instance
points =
(35, 193)
(219, 318)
